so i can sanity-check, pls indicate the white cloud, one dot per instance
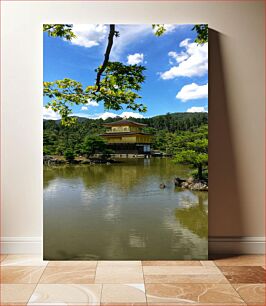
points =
(134, 59)
(131, 33)
(179, 57)
(89, 35)
(106, 115)
(192, 91)
(84, 108)
(92, 103)
(191, 62)
(197, 109)
(131, 114)
(49, 114)
(128, 35)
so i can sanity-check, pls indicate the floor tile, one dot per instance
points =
(15, 304)
(73, 263)
(192, 293)
(16, 293)
(72, 294)
(2, 257)
(183, 274)
(23, 260)
(126, 304)
(208, 263)
(171, 263)
(21, 275)
(195, 304)
(248, 274)
(68, 275)
(123, 293)
(120, 272)
(243, 260)
(119, 263)
(251, 293)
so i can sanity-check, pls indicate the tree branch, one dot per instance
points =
(106, 55)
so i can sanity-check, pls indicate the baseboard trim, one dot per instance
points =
(21, 245)
(237, 245)
(217, 245)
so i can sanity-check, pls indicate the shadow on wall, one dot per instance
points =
(225, 215)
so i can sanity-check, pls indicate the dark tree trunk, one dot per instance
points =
(200, 171)
(111, 35)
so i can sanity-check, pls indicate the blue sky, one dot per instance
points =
(176, 75)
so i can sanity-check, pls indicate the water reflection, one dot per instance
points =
(119, 212)
(193, 213)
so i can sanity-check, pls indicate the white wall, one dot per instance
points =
(236, 101)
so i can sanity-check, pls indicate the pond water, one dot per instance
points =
(119, 212)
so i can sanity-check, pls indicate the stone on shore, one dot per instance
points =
(192, 184)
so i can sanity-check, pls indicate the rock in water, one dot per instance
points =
(191, 184)
(178, 182)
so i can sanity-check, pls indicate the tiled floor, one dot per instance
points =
(28, 280)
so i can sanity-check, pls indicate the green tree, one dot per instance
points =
(69, 156)
(93, 144)
(192, 148)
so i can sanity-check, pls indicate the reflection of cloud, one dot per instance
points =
(54, 186)
(136, 240)
(186, 198)
(194, 218)
(183, 237)
(87, 196)
(112, 210)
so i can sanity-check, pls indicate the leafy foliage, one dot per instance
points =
(202, 31)
(69, 155)
(119, 87)
(64, 93)
(159, 29)
(59, 30)
(192, 148)
(93, 144)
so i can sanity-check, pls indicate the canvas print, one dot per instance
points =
(125, 141)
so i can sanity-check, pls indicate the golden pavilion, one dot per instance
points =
(127, 139)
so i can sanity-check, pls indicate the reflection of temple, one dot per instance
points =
(127, 139)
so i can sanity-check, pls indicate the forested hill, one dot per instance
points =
(170, 122)
(57, 138)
